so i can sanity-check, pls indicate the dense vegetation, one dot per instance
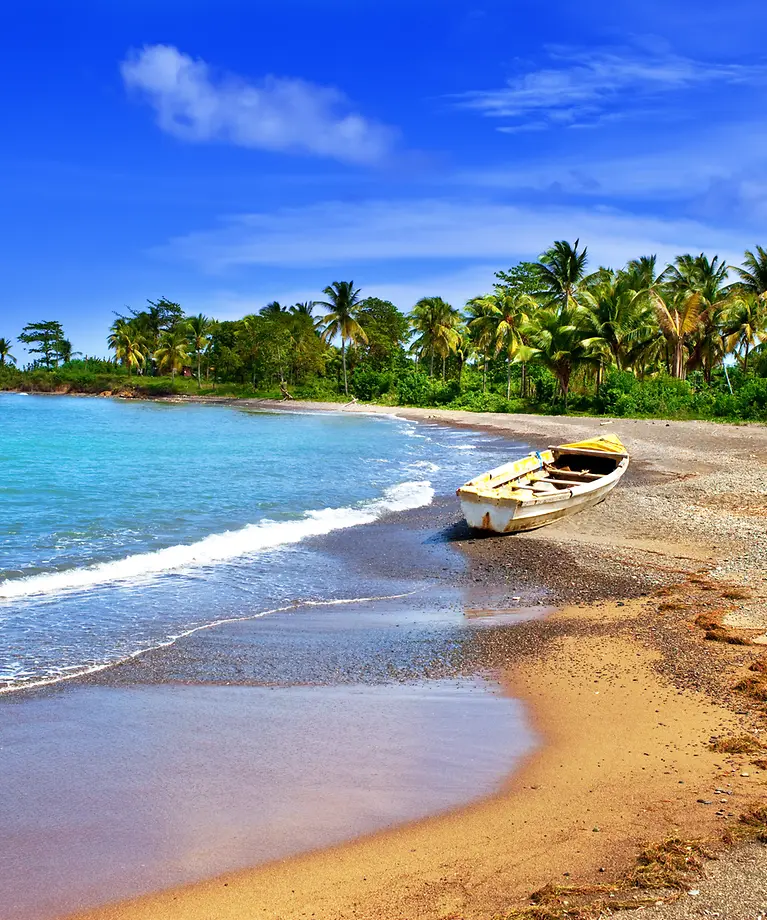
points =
(689, 340)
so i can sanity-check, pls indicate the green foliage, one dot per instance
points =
(47, 340)
(387, 331)
(369, 384)
(681, 341)
(623, 394)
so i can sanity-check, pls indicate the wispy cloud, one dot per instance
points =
(578, 87)
(335, 234)
(732, 164)
(281, 114)
(456, 286)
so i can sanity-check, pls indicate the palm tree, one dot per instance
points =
(343, 305)
(508, 314)
(172, 352)
(753, 274)
(640, 274)
(480, 314)
(707, 277)
(128, 343)
(615, 317)
(199, 335)
(5, 352)
(559, 342)
(745, 324)
(437, 324)
(561, 269)
(679, 314)
(303, 309)
(274, 308)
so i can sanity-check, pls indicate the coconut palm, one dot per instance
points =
(707, 277)
(745, 324)
(303, 309)
(753, 274)
(509, 312)
(199, 328)
(480, 317)
(343, 305)
(273, 309)
(172, 353)
(128, 343)
(679, 314)
(5, 352)
(561, 270)
(615, 317)
(438, 326)
(560, 343)
(640, 274)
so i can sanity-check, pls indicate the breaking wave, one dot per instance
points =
(222, 547)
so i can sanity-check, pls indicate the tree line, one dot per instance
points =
(545, 324)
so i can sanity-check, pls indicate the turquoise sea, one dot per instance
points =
(124, 525)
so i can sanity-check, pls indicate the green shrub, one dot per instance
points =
(369, 384)
(414, 389)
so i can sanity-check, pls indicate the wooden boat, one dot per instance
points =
(544, 486)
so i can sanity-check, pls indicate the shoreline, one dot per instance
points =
(376, 876)
(666, 547)
(620, 780)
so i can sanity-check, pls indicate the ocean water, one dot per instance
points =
(126, 525)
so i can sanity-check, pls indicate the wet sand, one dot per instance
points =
(121, 790)
(626, 694)
(623, 687)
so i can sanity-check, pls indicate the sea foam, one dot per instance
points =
(222, 547)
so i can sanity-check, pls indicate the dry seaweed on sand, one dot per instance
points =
(752, 824)
(736, 594)
(668, 864)
(711, 622)
(737, 744)
(755, 687)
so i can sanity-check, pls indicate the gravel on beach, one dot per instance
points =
(685, 534)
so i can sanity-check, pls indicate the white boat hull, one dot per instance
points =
(489, 514)
(543, 487)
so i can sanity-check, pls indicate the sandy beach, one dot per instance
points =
(626, 692)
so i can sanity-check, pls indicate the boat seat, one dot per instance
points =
(545, 486)
(578, 475)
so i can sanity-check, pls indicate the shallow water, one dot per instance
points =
(124, 525)
(111, 792)
(134, 528)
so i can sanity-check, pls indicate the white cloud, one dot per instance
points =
(579, 86)
(344, 236)
(278, 114)
(456, 287)
(734, 159)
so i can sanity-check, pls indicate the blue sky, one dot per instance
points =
(227, 154)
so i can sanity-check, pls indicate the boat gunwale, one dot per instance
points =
(482, 492)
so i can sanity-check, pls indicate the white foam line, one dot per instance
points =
(223, 547)
(95, 669)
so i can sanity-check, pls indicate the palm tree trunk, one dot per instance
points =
(484, 375)
(431, 363)
(678, 358)
(745, 358)
(444, 359)
(199, 371)
(343, 360)
(524, 381)
(508, 377)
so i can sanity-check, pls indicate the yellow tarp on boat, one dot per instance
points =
(608, 443)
